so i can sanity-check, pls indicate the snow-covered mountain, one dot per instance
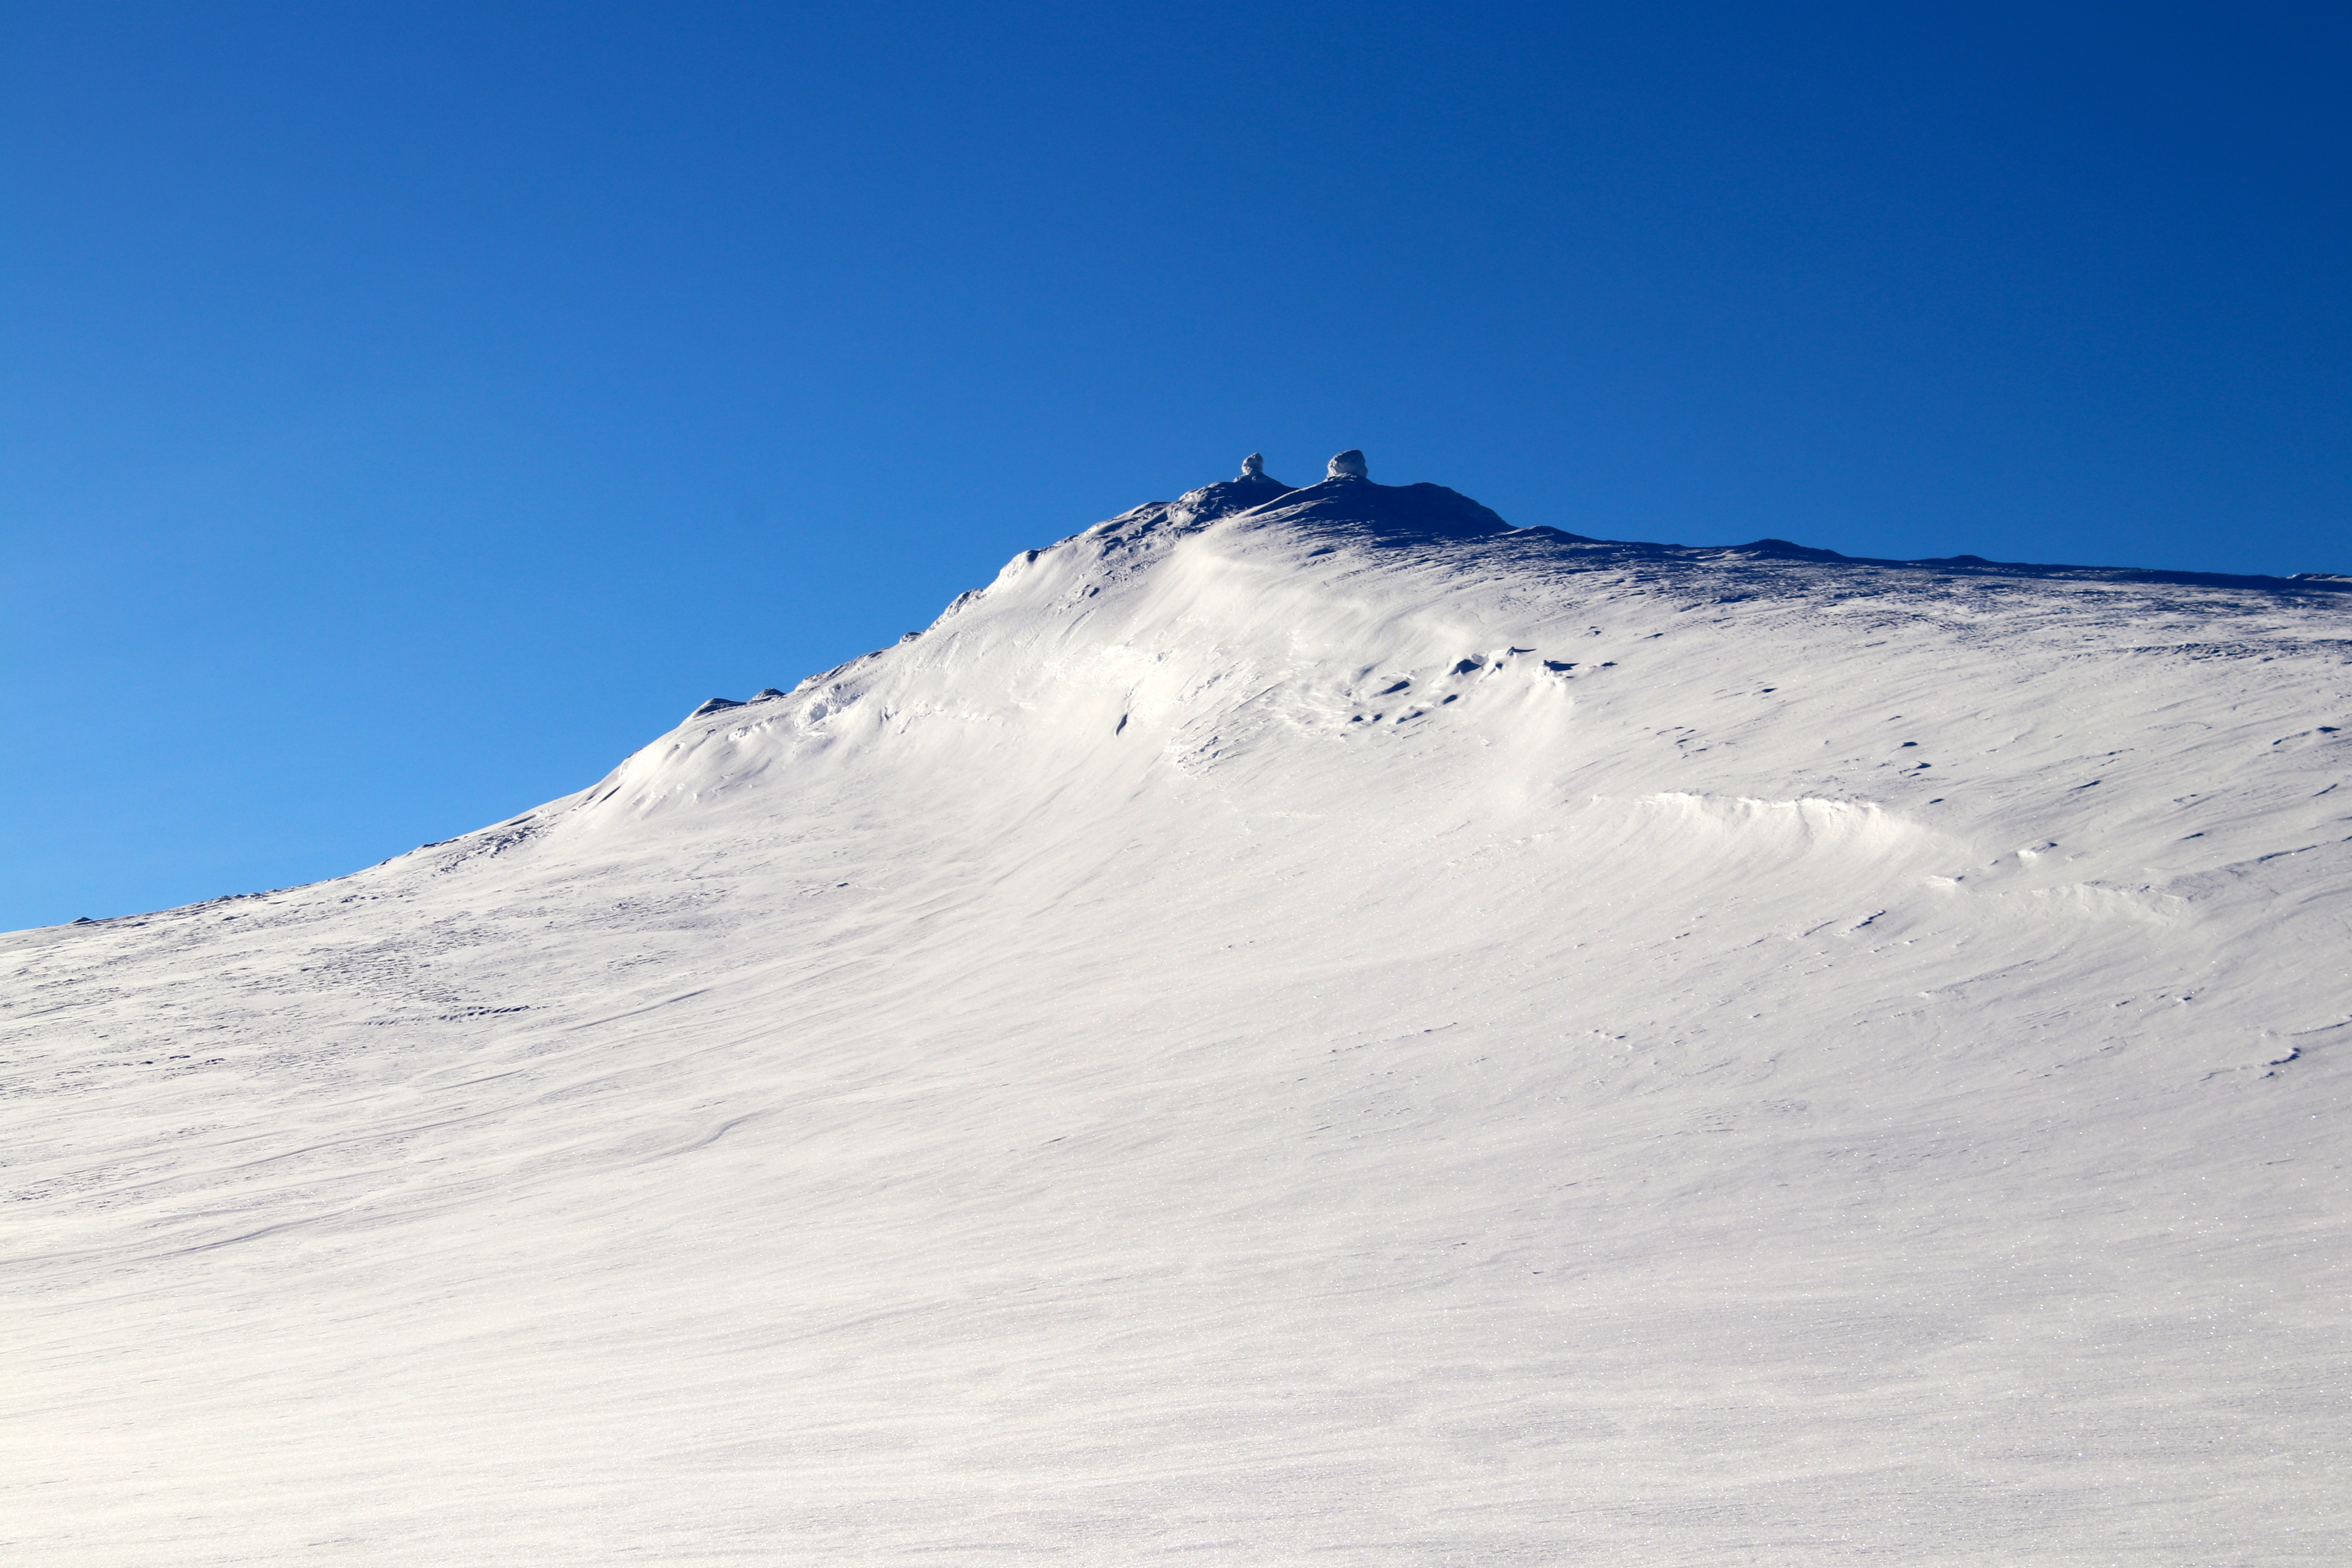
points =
(1294, 1027)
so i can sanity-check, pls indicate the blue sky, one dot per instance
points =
(407, 411)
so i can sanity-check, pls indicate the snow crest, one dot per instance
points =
(1295, 1026)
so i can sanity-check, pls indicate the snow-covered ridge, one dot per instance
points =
(1187, 630)
(1294, 1025)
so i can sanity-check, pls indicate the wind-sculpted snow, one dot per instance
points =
(1295, 1025)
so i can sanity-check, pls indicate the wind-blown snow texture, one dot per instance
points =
(1334, 1033)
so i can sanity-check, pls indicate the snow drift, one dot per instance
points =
(1294, 1025)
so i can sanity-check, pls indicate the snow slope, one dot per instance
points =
(1338, 1032)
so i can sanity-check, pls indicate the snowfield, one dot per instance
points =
(1293, 1027)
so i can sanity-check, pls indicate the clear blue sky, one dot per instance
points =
(406, 411)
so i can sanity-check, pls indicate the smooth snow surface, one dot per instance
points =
(1339, 1033)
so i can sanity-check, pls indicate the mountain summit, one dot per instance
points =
(1295, 1026)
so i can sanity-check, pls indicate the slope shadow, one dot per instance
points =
(1764, 551)
(1402, 515)
(1382, 514)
